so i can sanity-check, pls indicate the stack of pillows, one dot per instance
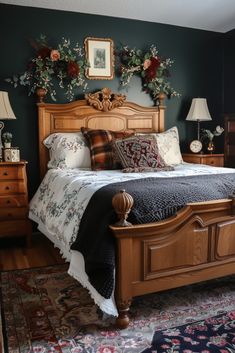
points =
(108, 150)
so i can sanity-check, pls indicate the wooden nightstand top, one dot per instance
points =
(200, 155)
(13, 163)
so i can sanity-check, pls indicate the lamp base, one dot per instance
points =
(1, 146)
(198, 129)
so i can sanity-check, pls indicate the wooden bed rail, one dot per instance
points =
(196, 244)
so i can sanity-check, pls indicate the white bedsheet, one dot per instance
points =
(59, 203)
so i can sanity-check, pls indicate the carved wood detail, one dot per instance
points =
(105, 100)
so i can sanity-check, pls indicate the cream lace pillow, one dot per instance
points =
(168, 146)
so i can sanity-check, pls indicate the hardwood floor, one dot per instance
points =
(15, 255)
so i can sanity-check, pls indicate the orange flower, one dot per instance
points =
(146, 64)
(55, 55)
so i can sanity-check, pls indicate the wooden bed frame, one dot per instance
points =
(196, 244)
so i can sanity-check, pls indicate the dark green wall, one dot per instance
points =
(229, 72)
(197, 71)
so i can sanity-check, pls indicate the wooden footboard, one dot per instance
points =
(196, 244)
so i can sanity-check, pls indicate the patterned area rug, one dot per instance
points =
(215, 334)
(45, 310)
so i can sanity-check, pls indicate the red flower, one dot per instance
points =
(44, 52)
(73, 69)
(151, 71)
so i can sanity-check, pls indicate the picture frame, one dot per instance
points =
(100, 55)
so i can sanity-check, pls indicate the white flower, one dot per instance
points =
(218, 130)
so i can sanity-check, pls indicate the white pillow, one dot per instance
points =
(68, 150)
(169, 147)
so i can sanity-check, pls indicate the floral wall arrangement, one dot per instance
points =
(150, 66)
(65, 64)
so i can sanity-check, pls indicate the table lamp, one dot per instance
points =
(198, 112)
(6, 113)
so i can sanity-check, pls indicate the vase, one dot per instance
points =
(7, 144)
(210, 147)
(41, 94)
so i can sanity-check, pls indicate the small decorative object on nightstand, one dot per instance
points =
(208, 137)
(14, 201)
(195, 146)
(215, 160)
(11, 154)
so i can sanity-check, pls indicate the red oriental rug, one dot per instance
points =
(45, 310)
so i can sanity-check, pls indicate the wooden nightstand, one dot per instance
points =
(14, 201)
(216, 160)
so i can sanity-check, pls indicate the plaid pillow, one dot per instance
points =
(100, 144)
(139, 154)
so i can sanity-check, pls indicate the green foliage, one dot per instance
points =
(50, 68)
(153, 70)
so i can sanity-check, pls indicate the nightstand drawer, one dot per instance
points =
(13, 213)
(11, 172)
(13, 201)
(14, 219)
(12, 187)
(218, 161)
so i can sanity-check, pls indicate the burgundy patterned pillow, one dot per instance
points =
(100, 144)
(139, 153)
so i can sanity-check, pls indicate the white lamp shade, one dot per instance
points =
(198, 110)
(6, 112)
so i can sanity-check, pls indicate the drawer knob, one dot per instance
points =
(7, 188)
(9, 214)
(8, 201)
(5, 173)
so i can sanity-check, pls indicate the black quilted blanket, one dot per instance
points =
(154, 199)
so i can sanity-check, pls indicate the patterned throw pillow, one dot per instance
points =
(68, 150)
(139, 154)
(100, 144)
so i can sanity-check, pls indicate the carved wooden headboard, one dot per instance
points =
(100, 110)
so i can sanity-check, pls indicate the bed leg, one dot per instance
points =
(123, 319)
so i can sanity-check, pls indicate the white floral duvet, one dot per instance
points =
(59, 203)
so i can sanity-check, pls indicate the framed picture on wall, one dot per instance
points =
(100, 55)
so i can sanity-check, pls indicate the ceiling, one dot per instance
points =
(213, 15)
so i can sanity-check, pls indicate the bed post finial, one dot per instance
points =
(122, 203)
(161, 96)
